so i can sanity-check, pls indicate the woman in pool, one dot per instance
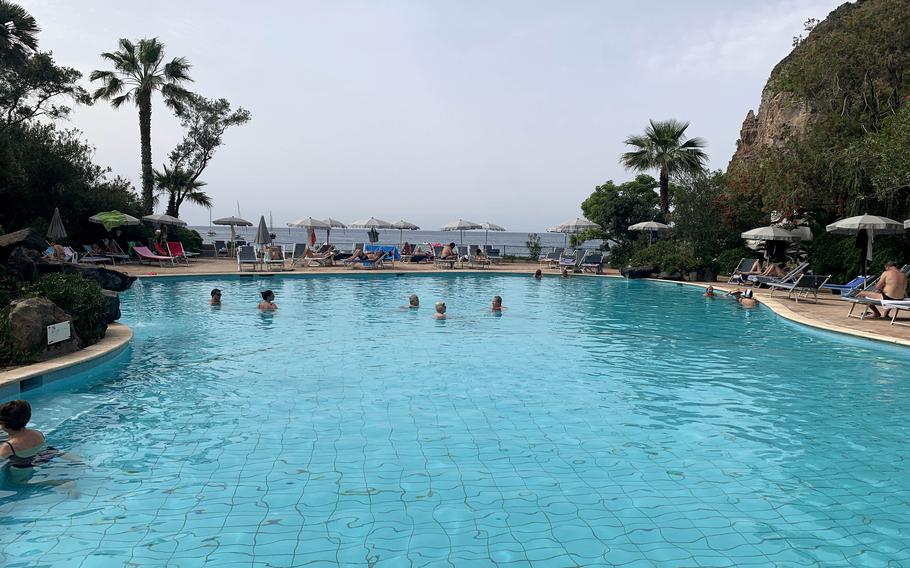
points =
(497, 304)
(709, 292)
(413, 302)
(440, 310)
(25, 447)
(538, 274)
(268, 301)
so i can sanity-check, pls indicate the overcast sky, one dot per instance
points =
(509, 112)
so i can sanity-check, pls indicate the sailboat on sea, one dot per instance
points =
(211, 232)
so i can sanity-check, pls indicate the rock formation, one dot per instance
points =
(28, 321)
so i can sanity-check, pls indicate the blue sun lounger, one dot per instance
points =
(848, 289)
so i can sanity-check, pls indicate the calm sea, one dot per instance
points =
(507, 242)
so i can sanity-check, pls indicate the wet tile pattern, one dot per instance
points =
(321, 449)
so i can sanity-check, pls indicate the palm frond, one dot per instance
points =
(178, 70)
(150, 51)
(117, 102)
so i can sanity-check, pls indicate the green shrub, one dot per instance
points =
(533, 244)
(728, 260)
(669, 256)
(192, 241)
(839, 256)
(81, 299)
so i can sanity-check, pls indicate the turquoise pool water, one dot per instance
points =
(597, 422)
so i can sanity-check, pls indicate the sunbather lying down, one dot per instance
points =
(360, 256)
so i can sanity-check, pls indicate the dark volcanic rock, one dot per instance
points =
(637, 271)
(26, 238)
(23, 263)
(106, 278)
(28, 321)
(670, 276)
(112, 299)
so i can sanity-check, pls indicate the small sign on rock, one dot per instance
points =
(58, 332)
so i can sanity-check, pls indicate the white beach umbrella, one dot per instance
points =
(164, 220)
(872, 224)
(371, 223)
(56, 231)
(772, 233)
(403, 226)
(461, 226)
(487, 227)
(907, 224)
(310, 223)
(333, 224)
(650, 226)
(572, 227)
(233, 222)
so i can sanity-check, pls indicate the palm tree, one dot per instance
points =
(139, 72)
(664, 147)
(180, 186)
(18, 34)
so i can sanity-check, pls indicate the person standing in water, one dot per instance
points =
(216, 297)
(497, 304)
(25, 447)
(268, 301)
(440, 310)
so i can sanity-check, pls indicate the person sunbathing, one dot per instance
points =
(774, 270)
(892, 285)
(418, 255)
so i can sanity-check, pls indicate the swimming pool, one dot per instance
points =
(597, 422)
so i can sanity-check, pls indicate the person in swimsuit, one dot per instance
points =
(216, 297)
(709, 292)
(25, 447)
(268, 301)
(440, 310)
(746, 300)
(892, 285)
(538, 274)
(497, 304)
(413, 302)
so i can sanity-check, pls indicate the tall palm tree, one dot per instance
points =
(18, 34)
(180, 186)
(664, 147)
(139, 71)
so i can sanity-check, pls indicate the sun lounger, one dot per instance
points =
(866, 303)
(895, 306)
(849, 288)
(221, 248)
(175, 250)
(802, 287)
(442, 262)
(492, 253)
(745, 265)
(144, 254)
(787, 278)
(475, 261)
(567, 260)
(370, 264)
(246, 255)
(551, 259)
(592, 262)
(271, 256)
(93, 258)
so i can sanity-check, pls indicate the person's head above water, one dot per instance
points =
(497, 303)
(268, 296)
(440, 307)
(414, 301)
(709, 291)
(216, 296)
(538, 273)
(15, 414)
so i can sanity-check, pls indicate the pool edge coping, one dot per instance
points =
(116, 339)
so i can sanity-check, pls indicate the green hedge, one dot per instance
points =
(728, 260)
(670, 256)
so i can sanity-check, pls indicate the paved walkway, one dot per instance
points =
(829, 313)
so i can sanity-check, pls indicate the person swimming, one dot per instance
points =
(25, 447)
(709, 292)
(497, 304)
(268, 301)
(538, 274)
(746, 300)
(413, 302)
(440, 310)
(216, 297)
